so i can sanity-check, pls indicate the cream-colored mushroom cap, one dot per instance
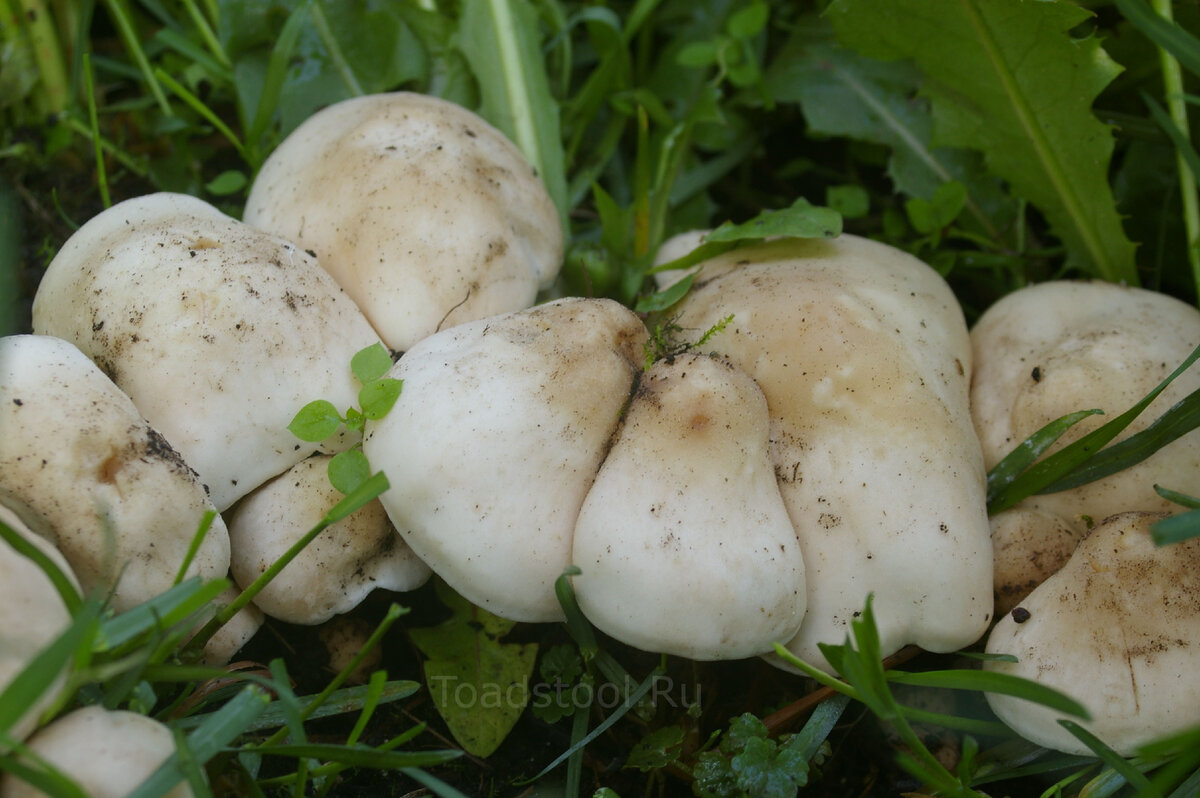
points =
(684, 543)
(426, 214)
(82, 467)
(1117, 628)
(1059, 347)
(333, 573)
(495, 441)
(106, 752)
(219, 332)
(32, 616)
(863, 355)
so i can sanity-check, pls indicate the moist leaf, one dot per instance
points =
(843, 93)
(479, 685)
(1006, 77)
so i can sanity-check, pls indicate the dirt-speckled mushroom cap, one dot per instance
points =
(219, 332)
(495, 440)
(32, 615)
(426, 214)
(1059, 347)
(699, 558)
(1117, 628)
(85, 470)
(106, 752)
(863, 355)
(338, 569)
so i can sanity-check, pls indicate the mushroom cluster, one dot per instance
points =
(1082, 593)
(720, 501)
(172, 345)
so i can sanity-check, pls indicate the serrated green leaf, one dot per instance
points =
(843, 93)
(348, 470)
(1007, 78)
(316, 421)
(370, 363)
(801, 220)
(479, 685)
(377, 397)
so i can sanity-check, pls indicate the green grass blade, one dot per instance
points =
(1171, 37)
(1176, 422)
(277, 66)
(1059, 465)
(992, 682)
(1176, 529)
(161, 612)
(36, 678)
(1029, 450)
(219, 730)
(118, 12)
(197, 105)
(361, 756)
(501, 42)
(66, 589)
(1112, 759)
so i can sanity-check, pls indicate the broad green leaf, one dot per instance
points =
(1006, 77)
(348, 470)
(479, 685)
(316, 421)
(370, 363)
(501, 41)
(843, 93)
(377, 397)
(801, 220)
(657, 749)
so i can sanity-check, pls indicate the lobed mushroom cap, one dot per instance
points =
(106, 752)
(1117, 629)
(338, 569)
(864, 358)
(86, 471)
(32, 616)
(684, 543)
(219, 332)
(1059, 347)
(495, 441)
(426, 214)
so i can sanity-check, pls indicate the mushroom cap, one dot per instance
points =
(219, 332)
(495, 440)
(82, 467)
(1028, 545)
(426, 214)
(32, 616)
(1117, 629)
(1058, 347)
(336, 571)
(700, 533)
(107, 752)
(864, 358)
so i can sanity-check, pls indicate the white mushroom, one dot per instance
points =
(1117, 628)
(334, 572)
(1060, 347)
(106, 752)
(495, 440)
(82, 467)
(700, 560)
(217, 331)
(32, 616)
(863, 355)
(426, 214)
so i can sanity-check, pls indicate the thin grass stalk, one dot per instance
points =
(48, 56)
(119, 14)
(94, 123)
(1177, 108)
